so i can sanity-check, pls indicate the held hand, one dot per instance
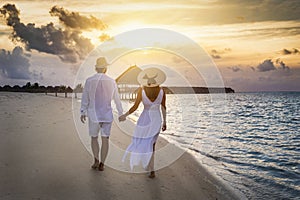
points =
(83, 118)
(122, 118)
(164, 126)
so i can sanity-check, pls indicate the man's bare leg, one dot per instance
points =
(95, 150)
(104, 151)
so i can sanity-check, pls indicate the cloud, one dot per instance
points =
(197, 12)
(288, 52)
(216, 54)
(203, 12)
(75, 20)
(226, 50)
(235, 68)
(14, 64)
(259, 10)
(266, 65)
(282, 65)
(68, 44)
(104, 37)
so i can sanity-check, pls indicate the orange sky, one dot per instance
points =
(255, 44)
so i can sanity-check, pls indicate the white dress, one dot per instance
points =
(146, 131)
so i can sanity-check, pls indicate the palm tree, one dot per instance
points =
(16, 88)
(78, 89)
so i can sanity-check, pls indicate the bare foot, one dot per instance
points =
(96, 164)
(101, 167)
(152, 174)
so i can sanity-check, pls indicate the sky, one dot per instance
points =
(255, 45)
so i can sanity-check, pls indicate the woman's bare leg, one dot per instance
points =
(151, 164)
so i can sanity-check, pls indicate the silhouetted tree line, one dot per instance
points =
(36, 88)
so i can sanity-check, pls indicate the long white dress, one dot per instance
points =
(146, 131)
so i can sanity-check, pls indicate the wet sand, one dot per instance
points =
(42, 157)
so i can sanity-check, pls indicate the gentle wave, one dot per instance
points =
(251, 139)
(259, 139)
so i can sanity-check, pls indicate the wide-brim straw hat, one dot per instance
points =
(101, 63)
(151, 77)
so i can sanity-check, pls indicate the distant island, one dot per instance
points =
(36, 88)
(197, 90)
(127, 85)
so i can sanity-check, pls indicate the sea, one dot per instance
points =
(250, 141)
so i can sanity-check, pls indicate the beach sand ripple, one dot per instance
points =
(42, 158)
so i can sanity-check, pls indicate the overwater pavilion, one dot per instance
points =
(128, 84)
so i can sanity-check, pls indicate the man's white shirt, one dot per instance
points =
(99, 90)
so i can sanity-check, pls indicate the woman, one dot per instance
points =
(150, 122)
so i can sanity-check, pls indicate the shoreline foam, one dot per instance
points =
(42, 157)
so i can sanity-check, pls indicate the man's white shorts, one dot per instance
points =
(96, 127)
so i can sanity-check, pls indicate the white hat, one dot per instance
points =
(151, 77)
(101, 63)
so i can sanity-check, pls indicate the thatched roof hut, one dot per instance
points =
(127, 82)
(129, 76)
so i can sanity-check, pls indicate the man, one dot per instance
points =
(98, 92)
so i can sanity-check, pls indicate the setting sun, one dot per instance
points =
(93, 36)
(244, 43)
(98, 36)
(212, 86)
(128, 26)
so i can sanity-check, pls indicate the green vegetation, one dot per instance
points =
(36, 88)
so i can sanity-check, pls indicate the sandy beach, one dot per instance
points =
(42, 157)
